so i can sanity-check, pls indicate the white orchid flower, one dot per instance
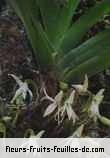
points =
(68, 107)
(78, 132)
(94, 106)
(63, 108)
(22, 90)
(56, 102)
(82, 88)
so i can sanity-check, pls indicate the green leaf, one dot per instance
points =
(90, 67)
(86, 50)
(79, 28)
(91, 52)
(56, 19)
(39, 41)
(47, 34)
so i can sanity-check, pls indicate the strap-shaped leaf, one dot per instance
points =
(90, 58)
(23, 7)
(86, 50)
(57, 19)
(90, 67)
(74, 35)
(39, 41)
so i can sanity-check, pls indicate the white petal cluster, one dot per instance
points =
(22, 90)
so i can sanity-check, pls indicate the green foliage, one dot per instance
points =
(56, 40)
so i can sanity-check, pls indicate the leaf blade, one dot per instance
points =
(56, 19)
(77, 31)
(39, 40)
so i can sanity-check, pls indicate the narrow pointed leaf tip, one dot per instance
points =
(78, 132)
